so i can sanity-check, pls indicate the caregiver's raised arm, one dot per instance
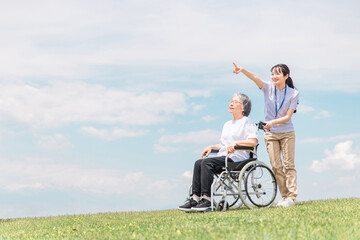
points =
(250, 75)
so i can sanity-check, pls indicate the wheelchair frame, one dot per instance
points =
(250, 181)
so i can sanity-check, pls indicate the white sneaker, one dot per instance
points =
(288, 203)
(279, 203)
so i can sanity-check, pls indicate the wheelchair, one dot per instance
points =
(249, 182)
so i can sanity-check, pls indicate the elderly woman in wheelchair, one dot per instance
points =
(219, 182)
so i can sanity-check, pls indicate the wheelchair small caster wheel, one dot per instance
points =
(222, 206)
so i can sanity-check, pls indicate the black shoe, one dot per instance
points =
(189, 203)
(203, 205)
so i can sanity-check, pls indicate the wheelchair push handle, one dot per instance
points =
(261, 125)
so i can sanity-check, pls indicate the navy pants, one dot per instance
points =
(203, 175)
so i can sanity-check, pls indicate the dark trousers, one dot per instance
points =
(203, 175)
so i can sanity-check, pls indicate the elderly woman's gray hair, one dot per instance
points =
(246, 103)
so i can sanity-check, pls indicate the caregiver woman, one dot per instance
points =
(281, 100)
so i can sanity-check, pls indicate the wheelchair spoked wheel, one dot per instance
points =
(231, 199)
(257, 185)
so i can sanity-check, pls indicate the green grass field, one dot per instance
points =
(330, 219)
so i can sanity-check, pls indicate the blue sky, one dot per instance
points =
(105, 105)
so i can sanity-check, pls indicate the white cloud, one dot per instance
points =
(44, 173)
(342, 158)
(330, 139)
(67, 38)
(56, 141)
(322, 114)
(348, 180)
(41, 174)
(208, 118)
(198, 93)
(305, 108)
(165, 149)
(167, 142)
(160, 186)
(196, 107)
(113, 134)
(161, 130)
(204, 136)
(319, 114)
(63, 103)
(187, 175)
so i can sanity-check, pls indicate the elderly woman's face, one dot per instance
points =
(235, 105)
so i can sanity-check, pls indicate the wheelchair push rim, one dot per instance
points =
(257, 185)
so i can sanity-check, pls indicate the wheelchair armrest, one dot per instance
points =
(244, 148)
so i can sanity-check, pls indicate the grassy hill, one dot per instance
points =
(329, 219)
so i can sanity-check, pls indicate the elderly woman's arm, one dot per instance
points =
(206, 151)
(250, 142)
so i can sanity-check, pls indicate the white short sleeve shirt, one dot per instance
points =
(237, 130)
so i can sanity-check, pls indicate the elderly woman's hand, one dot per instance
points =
(230, 148)
(206, 151)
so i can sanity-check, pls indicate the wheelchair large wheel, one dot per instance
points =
(257, 185)
(226, 190)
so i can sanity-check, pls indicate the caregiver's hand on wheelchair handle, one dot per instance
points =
(264, 125)
(268, 125)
